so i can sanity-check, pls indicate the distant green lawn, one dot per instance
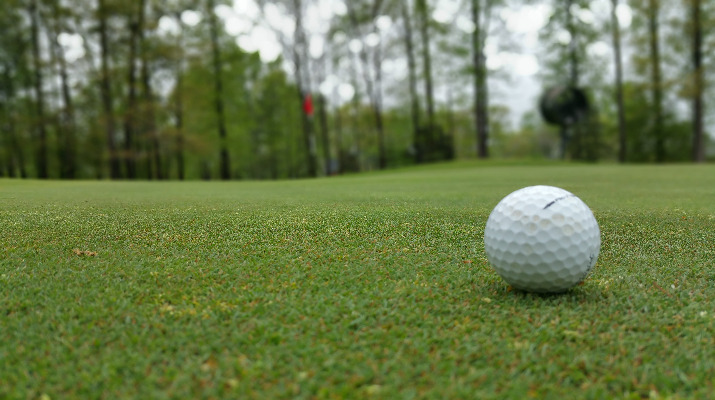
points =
(366, 286)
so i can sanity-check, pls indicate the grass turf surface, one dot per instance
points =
(372, 286)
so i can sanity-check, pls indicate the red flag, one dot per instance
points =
(308, 105)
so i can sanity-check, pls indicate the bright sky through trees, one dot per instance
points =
(257, 32)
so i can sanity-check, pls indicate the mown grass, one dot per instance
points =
(368, 286)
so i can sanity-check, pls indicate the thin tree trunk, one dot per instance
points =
(339, 139)
(481, 116)
(323, 116)
(698, 82)
(179, 115)
(377, 91)
(303, 88)
(323, 120)
(149, 109)
(56, 119)
(572, 131)
(6, 133)
(355, 120)
(372, 83)
(218, 93)
(377, 107)
(178, 105)
(411, 72)
(379, 125)
(573, 53)
(451, 124)
(106, 94)
(16, 155)
(130, 117)
(616, 30)
(67, 124)
(427, 60)
(41, 129)
(308, 141)
(656, 80)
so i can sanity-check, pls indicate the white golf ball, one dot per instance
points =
(542, 239)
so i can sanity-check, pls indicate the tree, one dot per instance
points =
(481, 13)
(660, 57)
(103, 13)
(568, 65)
(179, 97)
(14, 70)
(41, 158)
(295, 47)
(411, 69)
(300, 63)
(371, 63)
(433, 143)
(322, 105)
(55, 21)
(698, 80)
(424, 25)
(149, 106)
(132, 113)
(618, 63)
(225, 169)
(13, 153)
(653, 11)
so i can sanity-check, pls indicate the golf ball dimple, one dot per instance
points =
(542, 239)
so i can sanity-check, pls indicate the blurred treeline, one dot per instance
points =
(98, 89)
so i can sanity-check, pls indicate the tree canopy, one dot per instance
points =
(145, 89)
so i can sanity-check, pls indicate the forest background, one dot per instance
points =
(259, 89)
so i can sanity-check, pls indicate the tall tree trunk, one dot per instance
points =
(149, 109)
(15, 152)
(323, 121)
(106, 93)
(481, 116)
(411, 72)
(573, 46)
(339, 140)
(423, 13)
(377, 106)
(299, 43)
(68, 147)
(56, 119)
(572, 131)
(372, 82)
(6, 129)
(616, 31)
(323, 116)
(179, 116)
(698, 81)
(355, 123)
(41, 129)
(377, 89)
(218, 92)
(656, 79)
(178, 105)
(130, 117)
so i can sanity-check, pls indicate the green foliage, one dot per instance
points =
(363, 286)
(265, 140)
(639, 128)
(273, 141)
(557, 42)
(433, 144)
(534, 139)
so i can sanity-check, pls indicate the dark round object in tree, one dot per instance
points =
(563, 105)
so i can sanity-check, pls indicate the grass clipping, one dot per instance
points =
(84, 253)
